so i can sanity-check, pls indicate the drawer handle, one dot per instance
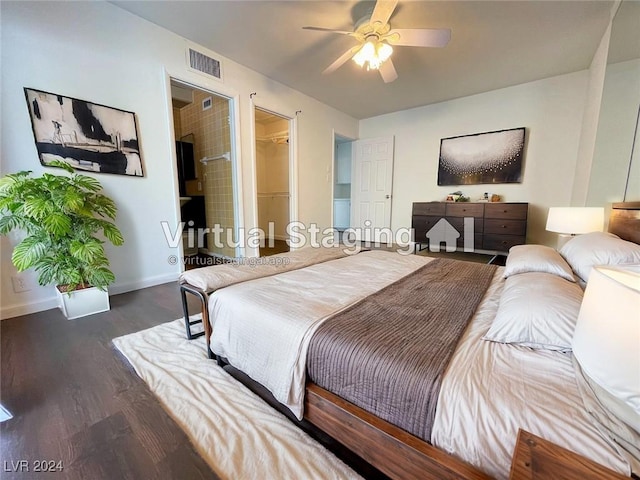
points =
(505, 211)
(504, 242)
(504, 226)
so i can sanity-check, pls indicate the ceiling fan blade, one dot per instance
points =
(322, 29)
(342, 59)
(419, 37)
(388, 71)
(382, 11)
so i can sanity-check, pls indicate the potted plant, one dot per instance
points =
(62, 217)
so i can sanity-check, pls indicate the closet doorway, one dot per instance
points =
(206, 174)
(273, 180)
(342, 166)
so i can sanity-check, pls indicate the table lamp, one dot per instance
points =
(606, 341)
(571, 221)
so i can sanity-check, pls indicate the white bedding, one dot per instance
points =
(491, 389)
(274, 317)
(488, 392)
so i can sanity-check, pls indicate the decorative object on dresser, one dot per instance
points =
(490, 157)
(571, 221)
(535, 458)
(493, 227)
(456, 197)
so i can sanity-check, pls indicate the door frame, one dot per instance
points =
(233, 97)
(292, 121)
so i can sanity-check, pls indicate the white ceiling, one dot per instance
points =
(494, 44)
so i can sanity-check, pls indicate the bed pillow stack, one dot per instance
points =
(540, 302)
(598, 248)
(537, 258)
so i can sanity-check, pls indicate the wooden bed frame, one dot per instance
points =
(388, 448)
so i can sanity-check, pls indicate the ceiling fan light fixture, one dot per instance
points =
(373, 53)
(365, 53)
(375, 37)
(384, 51)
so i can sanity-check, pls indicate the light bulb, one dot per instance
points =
(384, 52)
(373, 54)
(365, 54)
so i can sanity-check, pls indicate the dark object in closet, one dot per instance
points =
(194, 211)
(186, 165)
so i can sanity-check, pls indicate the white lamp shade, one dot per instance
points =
(575, 220)
(606, 341)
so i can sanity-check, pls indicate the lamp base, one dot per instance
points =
(562, 239)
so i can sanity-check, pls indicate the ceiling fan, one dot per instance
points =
(376, 37)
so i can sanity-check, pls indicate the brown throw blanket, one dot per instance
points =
(387, 353)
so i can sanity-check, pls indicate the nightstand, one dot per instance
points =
(536, 458)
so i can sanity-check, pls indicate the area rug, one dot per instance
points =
(233, 429)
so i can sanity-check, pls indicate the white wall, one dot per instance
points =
(589, 128)
(633, 187)
(550, 109)
(616, 132)
(98, 52)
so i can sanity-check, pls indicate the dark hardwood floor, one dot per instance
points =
(77, 403)
(279, 246)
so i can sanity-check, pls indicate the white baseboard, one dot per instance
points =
(115, 289)
(118, 288)
(27, 308)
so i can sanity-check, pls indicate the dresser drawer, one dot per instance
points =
(428, 208)
(422, 224)
(508, 227)
(510, 211)
(464, 209)
(477, 242)
(458, 223)
(501, 243)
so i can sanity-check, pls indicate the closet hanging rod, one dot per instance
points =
(276, 137)
(226, 156)
(273, 194)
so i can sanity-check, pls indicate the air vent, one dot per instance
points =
(202, 63)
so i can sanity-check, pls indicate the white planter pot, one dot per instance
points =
(80, 303)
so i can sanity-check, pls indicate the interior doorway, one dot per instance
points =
(342, 166)
(206, 174)
(371, 188)
(273, 180)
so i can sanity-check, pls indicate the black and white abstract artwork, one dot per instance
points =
(85, 135)
(491, 157)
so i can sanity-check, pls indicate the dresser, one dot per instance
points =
(494, 227)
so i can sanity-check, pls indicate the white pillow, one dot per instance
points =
(537, 310)
(537, 258)
(598, 248)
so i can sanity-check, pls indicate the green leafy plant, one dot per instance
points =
(61, 216)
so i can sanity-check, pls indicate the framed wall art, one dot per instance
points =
(490, 157)
(86, 135)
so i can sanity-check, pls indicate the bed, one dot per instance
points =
(486, 390)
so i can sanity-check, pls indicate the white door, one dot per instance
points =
(371, 184)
